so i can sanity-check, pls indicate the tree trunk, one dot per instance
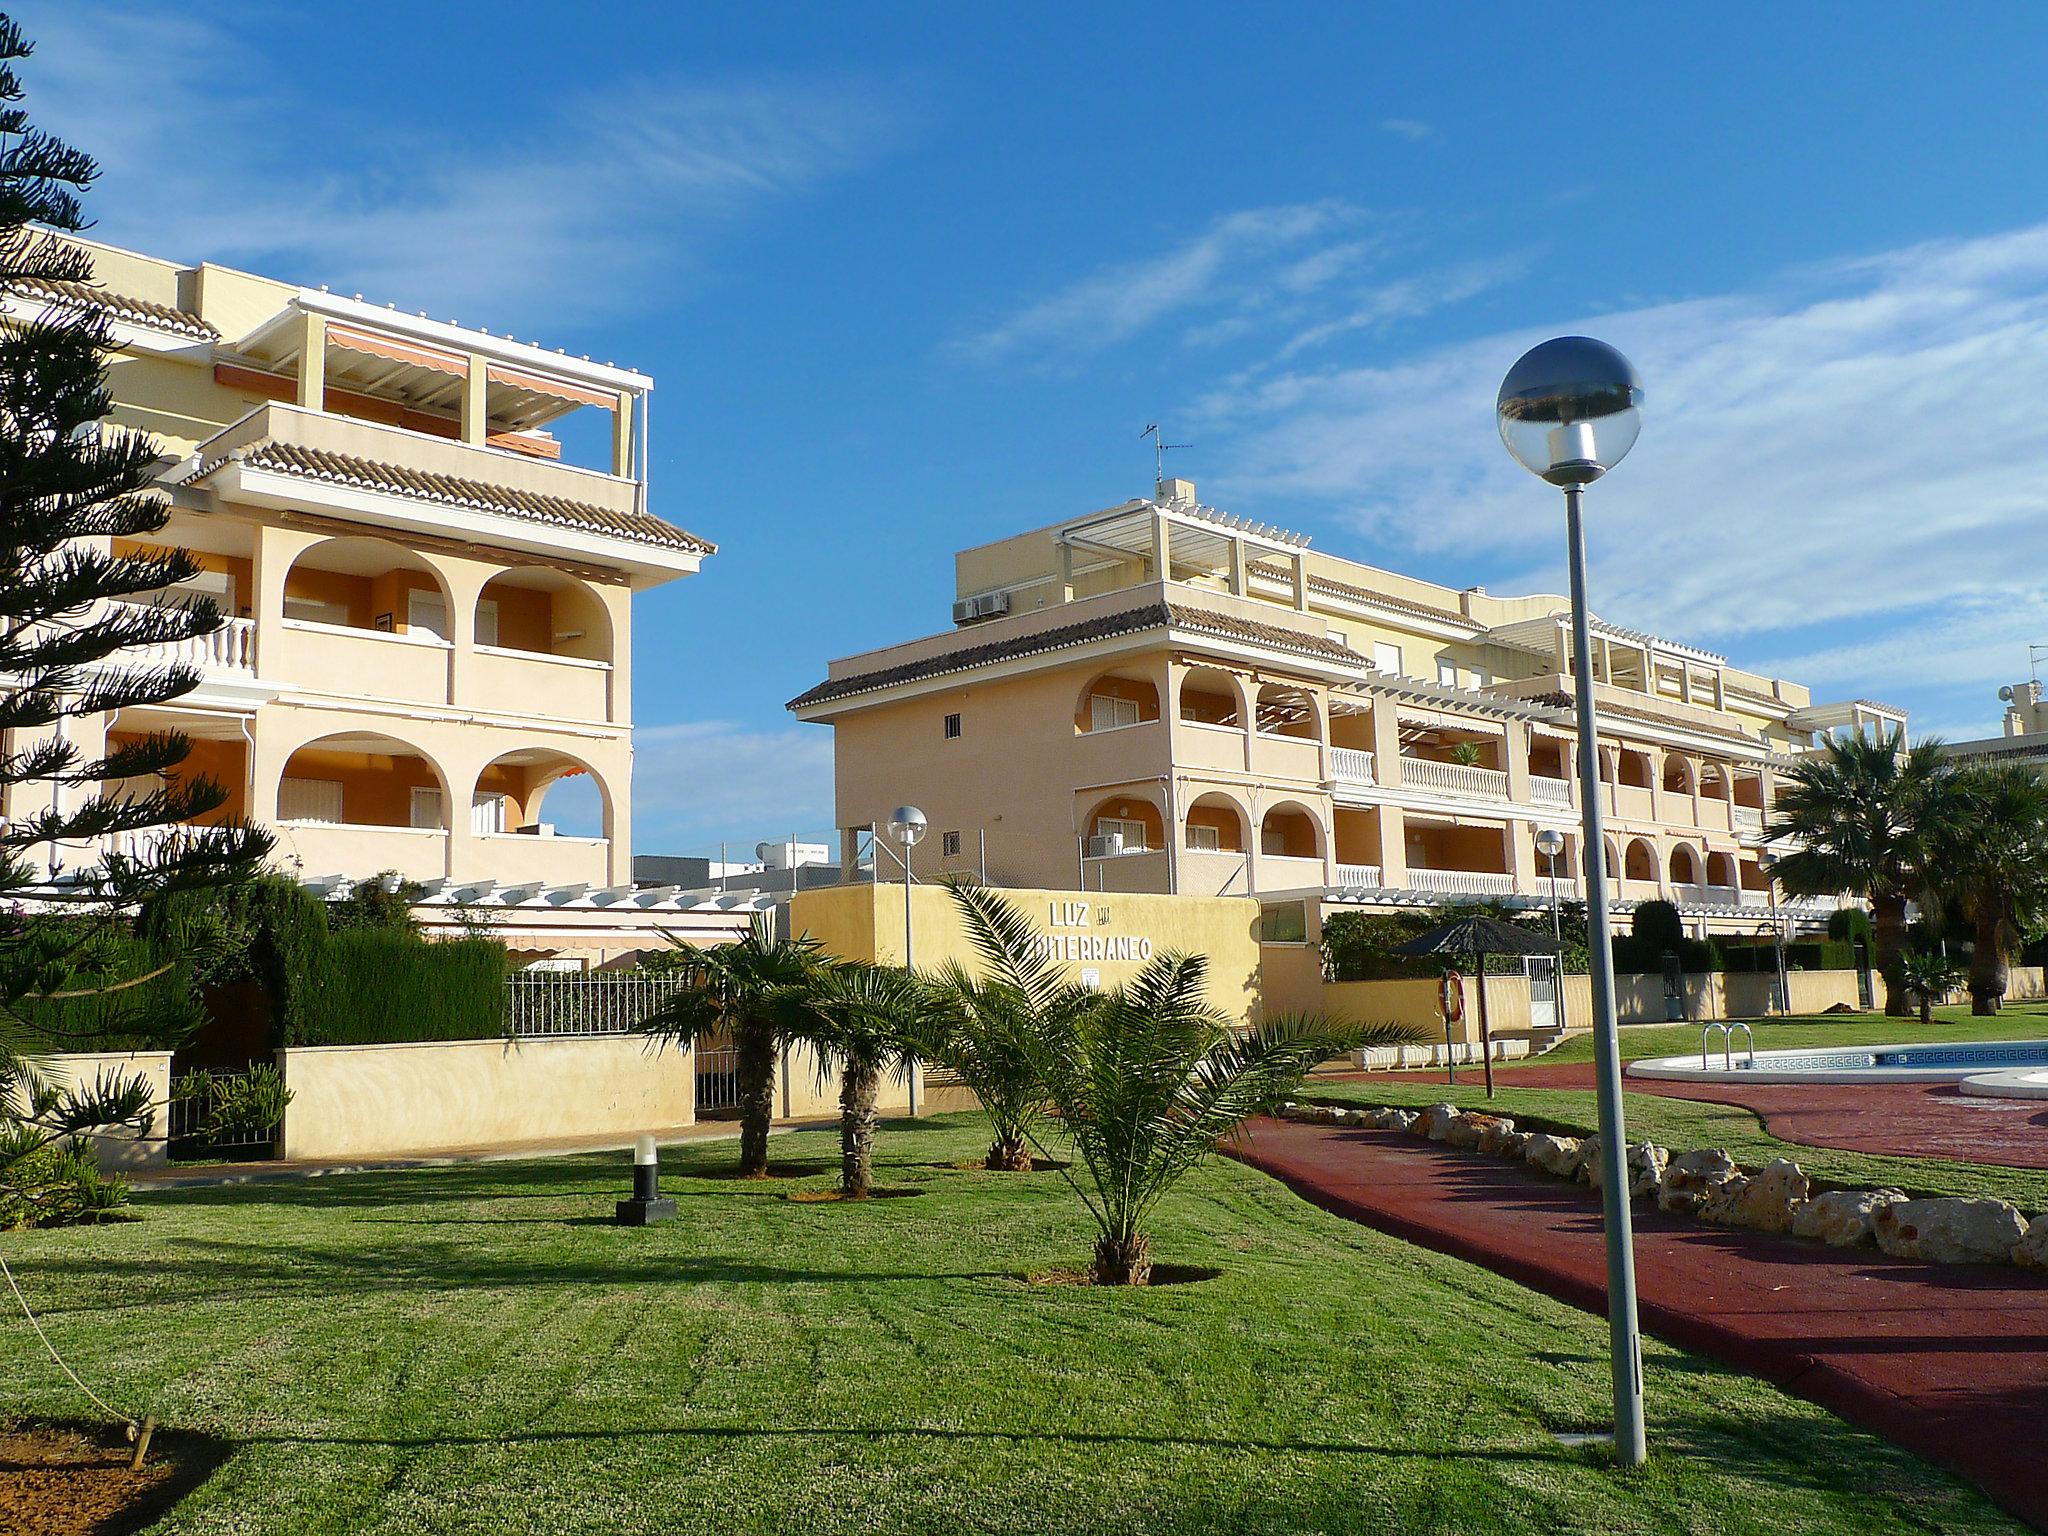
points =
(857, 1117)
(1124, 1260)
(1888, 920)
(1009, 1154)
(1926, 1004)
(754, 1072)
(1987, 966)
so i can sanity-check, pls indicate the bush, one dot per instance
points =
(52, 1184)
(268, 930)
(1852, 925)
(1656, 930)
(377, 986)
(156, 1014)
(233, 1110)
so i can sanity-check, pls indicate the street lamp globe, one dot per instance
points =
(1570, 409)
(1550, 842)
(907, 824)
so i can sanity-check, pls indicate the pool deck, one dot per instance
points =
(1889, 1119)
(1949, 1361)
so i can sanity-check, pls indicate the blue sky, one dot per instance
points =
(913, 277)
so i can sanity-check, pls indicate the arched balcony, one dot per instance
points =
(367, 617)
(1214, 860)
(543, 634)
(1291, 845)
(1285, 710)
(357, 802)
(1116, 701)
(1639, 868)
(539, 813)
(1678, 775)
(1123, 845)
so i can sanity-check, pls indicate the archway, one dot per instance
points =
(1640, 863)
(1285, 710)
(1290, 830)
(1633, 769)
(1115, 700)
(1123, 824)
(547, 613)
(1216, 824)
(1722, 870)
(1678, 777)
(364, 779)
(541, 788)
(1209, 697)
(368, 584)
(1685, 864)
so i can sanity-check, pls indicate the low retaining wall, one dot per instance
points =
(120, 1150)
(397, 1100)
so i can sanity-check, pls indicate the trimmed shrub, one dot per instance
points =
(378, 986)
(1656, 929)
(1852, 925)
(151, 1015)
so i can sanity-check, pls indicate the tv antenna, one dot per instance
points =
(1161, 448)
(2034, 655)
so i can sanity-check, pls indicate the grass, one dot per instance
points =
(479, 1350)
(1691, 1125)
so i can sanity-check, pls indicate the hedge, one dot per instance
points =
(151, 1015)
(379, 986)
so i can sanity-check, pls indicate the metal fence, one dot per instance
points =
(540, 1004)
(234, 1115)
(718, 1083)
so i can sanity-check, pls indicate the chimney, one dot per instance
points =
(1176, 491)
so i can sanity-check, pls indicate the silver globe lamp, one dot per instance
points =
(907, 825)
(1569, 411)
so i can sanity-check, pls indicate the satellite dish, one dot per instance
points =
(2005, 694)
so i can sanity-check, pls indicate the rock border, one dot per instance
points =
(1713, 1187)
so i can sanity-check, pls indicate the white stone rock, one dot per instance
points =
(1646, 1162)
(1763, 1201)
(1553, 1154)
(2031, 1251)
(1400, 1120)
(1494, 1134)
(1842, 1217)
(1435, 1121)
(1587, 1160)
(1689, 1177)
(1467, 1131)
(1949, 1231)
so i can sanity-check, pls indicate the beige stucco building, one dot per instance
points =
(430, 606)
(1161, 697)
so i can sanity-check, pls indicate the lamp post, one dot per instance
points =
(1569, 411)
(1768, 863)
(1550, 843)
(906, 825)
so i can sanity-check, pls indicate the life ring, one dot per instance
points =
(1450, 996)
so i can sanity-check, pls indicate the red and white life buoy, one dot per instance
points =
(1450, 996)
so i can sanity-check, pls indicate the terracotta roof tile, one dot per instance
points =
(1127, 621)
(451, 490)
(119, 306)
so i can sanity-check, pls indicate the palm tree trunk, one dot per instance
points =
(754, 1072)
(1888, 920)
(857, 1087)
(1987, 966)
(1125, 1260)
(1008, 1154)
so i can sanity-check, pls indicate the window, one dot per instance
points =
(309, 800)
(313, 610)
(218, 585)
(949, 845)
(1340, 636)
(1447, 674)
(426, 614)
(1107, 714)
(1387, 658)
(487, 814)
(1205, 839)
(1481, 677)
(1132, 832)
(426, 807)
(1284, 922)
(952, 727)
(486, 621)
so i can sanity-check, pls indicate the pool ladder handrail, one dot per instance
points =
(1727, 1044)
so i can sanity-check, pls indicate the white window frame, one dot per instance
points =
(489, 814)
(309, 800)
(486, 620)
(1446, 674)
(1132, 830)
(316, 610)
(418, 602)
(1121, 713)
(1386, 659)
(1203, 838)
(424, 795)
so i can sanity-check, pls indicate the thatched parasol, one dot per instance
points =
(1478, 936)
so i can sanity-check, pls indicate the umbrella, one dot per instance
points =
(1478, 936)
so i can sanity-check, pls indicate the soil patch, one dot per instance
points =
(1162, 1274)
(829, 1196)
(980, 1165)
(73, 1479)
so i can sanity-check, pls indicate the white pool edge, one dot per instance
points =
(2029, 1081)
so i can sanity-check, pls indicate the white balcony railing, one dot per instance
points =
(1349, 765)
(1358, 877)
(1710, 895)
(1548, 791)
(1748, 819)
(231, 648)
(1461, 882)
(1454, 778)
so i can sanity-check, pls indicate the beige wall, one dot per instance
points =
(866, 922)
(123, 1149)
(398, 1100)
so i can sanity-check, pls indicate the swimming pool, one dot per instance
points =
(2015, 1068)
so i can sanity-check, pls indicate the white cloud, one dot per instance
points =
(1409, 128)
(698, 781)
(583, 207)
(1863, 440)
(1244, 262)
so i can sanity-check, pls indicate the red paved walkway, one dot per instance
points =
(1895, 1119)
(1948, 1361)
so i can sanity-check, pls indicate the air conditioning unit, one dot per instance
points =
(983, 605)
(1107, 846)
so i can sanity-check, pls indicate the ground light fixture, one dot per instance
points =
(1767, 864)
(907, 825)
(648, 1205)
(1550, 843)
(1569, 412)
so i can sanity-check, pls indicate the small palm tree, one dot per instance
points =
(738, 992)
(1928, 976)
(1146, 1078)
(1989, 850)
(1859, 814)
(974, 1028)
(863, 1020)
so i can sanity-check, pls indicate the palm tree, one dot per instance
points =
(1146, 1078)
(1927, 974)
(1858, 814)
(974, 1028)
(861, 1019)
(738, 992)
(1990, 852)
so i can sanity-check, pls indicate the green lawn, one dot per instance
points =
(1689, 1125)
(479, 1350)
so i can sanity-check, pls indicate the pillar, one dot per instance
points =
(475, 401)
(312, 362)
(622, 435)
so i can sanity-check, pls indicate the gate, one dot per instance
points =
(1542, 973)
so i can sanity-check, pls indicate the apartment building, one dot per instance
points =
(1161, 697)
(430, 643)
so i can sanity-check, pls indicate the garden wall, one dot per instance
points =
(398, 1100)
(120, 1150)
